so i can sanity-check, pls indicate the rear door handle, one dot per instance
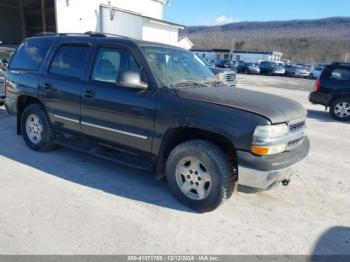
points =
(89, 94)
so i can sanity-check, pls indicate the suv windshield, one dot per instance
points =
(173, 66)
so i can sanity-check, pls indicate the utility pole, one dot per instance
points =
(43, 15)
(232, 47)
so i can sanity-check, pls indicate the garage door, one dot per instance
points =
(123, 23)
(10, 21)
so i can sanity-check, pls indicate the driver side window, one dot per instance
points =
(110, 63)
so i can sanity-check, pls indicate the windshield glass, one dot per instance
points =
(173, 66)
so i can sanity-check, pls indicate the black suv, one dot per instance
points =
(332, 90)
(154, 107)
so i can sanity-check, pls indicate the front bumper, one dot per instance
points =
(261, 173)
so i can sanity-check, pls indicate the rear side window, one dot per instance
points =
(69, 61)
(30, 54)
(340, 74)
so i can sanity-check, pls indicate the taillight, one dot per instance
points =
(317, 86)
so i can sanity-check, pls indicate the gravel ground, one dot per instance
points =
(64, 202)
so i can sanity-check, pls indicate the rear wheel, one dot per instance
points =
(36, 128)
(200, 175)
(340, 109)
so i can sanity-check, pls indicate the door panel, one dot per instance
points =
(111, 112)
(61, 88)
(62, 99)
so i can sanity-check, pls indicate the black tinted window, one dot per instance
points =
(111, 62)
(30, 54)
(340, 74)
(69, 61)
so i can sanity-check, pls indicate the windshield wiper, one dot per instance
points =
(187, 83)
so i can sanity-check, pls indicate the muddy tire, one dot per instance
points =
(200, 175)
(36, 128)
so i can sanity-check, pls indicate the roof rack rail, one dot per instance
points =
(46, 34)
(98, 34)
(88, 33)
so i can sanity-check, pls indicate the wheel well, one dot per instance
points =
(176, 136)
(22, 103)
(338, 97)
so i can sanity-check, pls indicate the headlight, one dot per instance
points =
(220, 76)
(271, 131)
(263, 136)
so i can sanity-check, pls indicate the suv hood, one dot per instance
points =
(277, 109)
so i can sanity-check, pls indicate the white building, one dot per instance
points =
(213, 54)
(185, 43)
(256, 56)
(140, 19)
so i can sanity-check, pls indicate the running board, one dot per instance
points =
(117, 156)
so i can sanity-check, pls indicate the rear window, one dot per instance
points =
(340, 74)
(30, 54)
(69, 61)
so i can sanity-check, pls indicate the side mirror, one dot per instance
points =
(132, 80)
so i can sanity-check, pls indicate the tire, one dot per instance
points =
(338, 104)
(36, 114)
(218, 168)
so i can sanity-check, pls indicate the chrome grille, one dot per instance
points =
(296, 127)
(229, 78)
(295, 143)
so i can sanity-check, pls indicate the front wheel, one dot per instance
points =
(36, 128)
(340, 109)
(200, 175)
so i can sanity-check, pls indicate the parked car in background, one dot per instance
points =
(225, 75)
(248, 68)
(5, 56)
(271, 68)
(332, 90)
(225, 64)
(316, 72)
(296, 71)
(157, 108)
(2, 87)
